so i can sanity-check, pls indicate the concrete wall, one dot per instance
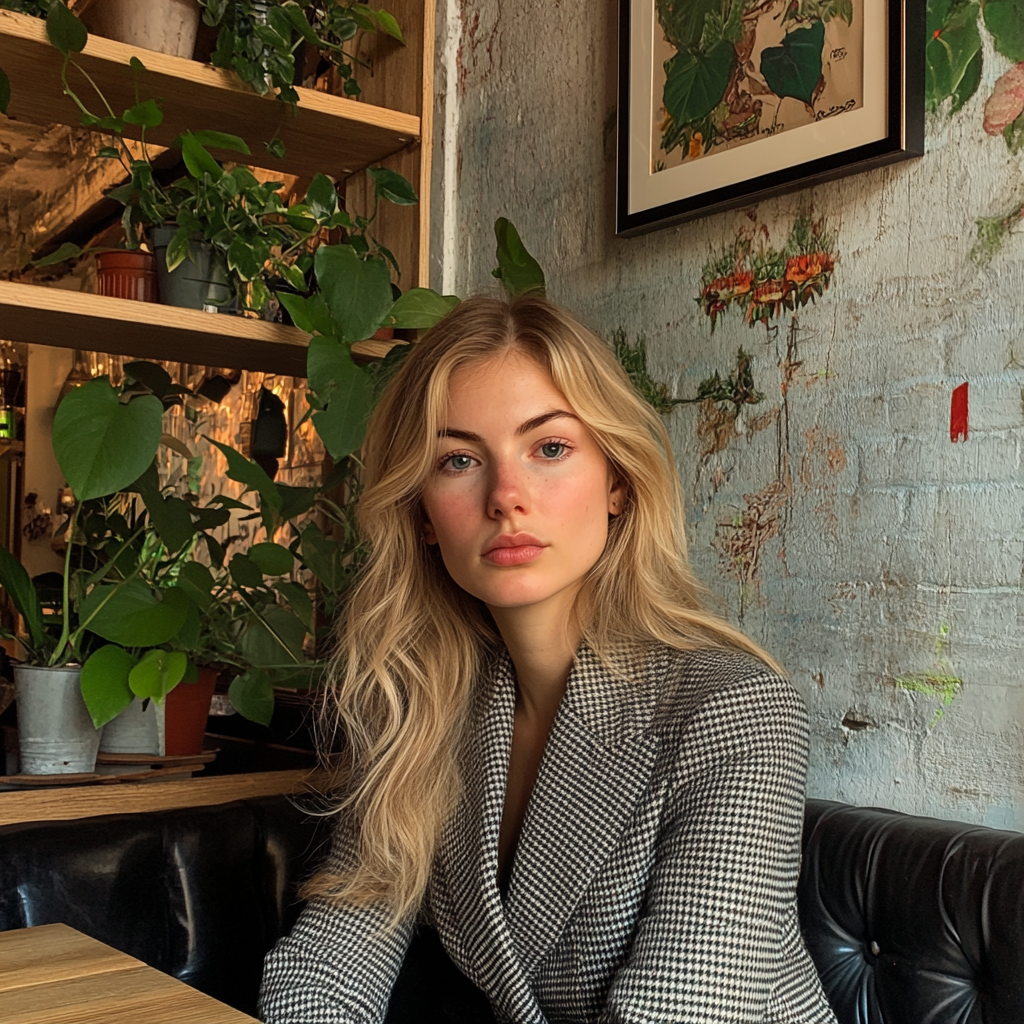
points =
(837, 522)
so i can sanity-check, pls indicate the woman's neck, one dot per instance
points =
(542, 643)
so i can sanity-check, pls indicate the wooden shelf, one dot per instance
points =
(133, 797)
(149, 330)
(66, 319)
(326, 133)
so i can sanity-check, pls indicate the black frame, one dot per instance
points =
(906, 45)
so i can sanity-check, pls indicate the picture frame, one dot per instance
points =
(719, 109)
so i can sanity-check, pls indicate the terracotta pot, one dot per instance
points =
(127, 274)
(384, 334)
(187, 708)
(167, 26)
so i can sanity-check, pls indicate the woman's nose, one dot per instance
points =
(508, 495)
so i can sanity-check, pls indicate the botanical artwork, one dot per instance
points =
(735, 71)
(760, 281)
(954, 61)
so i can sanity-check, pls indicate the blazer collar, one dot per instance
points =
(594, 770)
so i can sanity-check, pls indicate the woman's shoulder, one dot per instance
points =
(721, 688)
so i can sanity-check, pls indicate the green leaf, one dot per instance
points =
(323, 557)
(683, 23)
(109, 153)
(342, 426)
(1005, 20)
(345, 389)
(218, 140)
(272, 559)
(104, 445)
(187, 637)
(322, 198)
(696, 82)
(243, 258)
(196, 580)
(131, 614)
(145, 114)
(104, 683)
(357, 291)
(794, 68)
(421, 308)
(275, 638)
(135, 64)
(389, 24)
(157, 673)
(968, 85)
(243, 471)
(298, 600)
(276, 147)
(297, 307)
(296, 500)
(390, 185)
(171, 517)
(65, 31)
(245, 572)
(252, 696)
(198, 159)
(953, 44)
(517, 270)
(5, 91)
(22, 592)
(66, 251)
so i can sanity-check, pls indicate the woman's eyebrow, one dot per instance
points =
(523, 428)
(539, 421)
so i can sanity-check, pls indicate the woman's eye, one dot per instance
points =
(458, 463)
(552, 449)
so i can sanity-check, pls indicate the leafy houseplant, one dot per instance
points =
(259, 39)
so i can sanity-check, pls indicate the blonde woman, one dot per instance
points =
(591, 786)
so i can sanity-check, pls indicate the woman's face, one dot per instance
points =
(520, 494)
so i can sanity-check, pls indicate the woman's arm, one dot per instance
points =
(711, 943)
(337, 966)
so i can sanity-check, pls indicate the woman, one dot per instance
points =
(591, 786)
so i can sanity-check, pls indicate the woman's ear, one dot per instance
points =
(617, 497)
(428, 532)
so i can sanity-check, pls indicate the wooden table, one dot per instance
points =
(53, 974)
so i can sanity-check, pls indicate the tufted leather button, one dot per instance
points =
(875, 948)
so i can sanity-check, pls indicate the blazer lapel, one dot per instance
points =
(595, 768)
(470, 915)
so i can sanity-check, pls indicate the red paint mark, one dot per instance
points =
(958, 415)
(937, 33)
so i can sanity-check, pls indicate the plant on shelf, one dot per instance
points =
(260, 39)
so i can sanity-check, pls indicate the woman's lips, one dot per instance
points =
(520, 554)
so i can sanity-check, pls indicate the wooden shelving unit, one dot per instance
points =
(391, 124)
(325, 133)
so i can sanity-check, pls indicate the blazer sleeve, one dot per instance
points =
(337, 966)
(719, 914)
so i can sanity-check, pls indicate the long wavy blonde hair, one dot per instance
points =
(412, 645)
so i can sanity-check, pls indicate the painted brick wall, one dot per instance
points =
(877, 555)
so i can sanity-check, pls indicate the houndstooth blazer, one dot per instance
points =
(655, 876)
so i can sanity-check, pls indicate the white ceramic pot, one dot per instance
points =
(136, 730)
(55, 732)
(167, 26)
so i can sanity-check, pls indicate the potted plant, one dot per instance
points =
(167, 26)
(260, 39)
(102, 443)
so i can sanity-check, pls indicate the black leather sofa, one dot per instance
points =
(909, 920)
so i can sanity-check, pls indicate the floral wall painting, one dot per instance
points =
(752, 277)
(725, 102)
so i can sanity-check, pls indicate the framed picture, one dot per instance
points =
(725, 102)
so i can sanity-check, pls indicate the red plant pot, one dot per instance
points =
(127, 274)
(187, 707)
